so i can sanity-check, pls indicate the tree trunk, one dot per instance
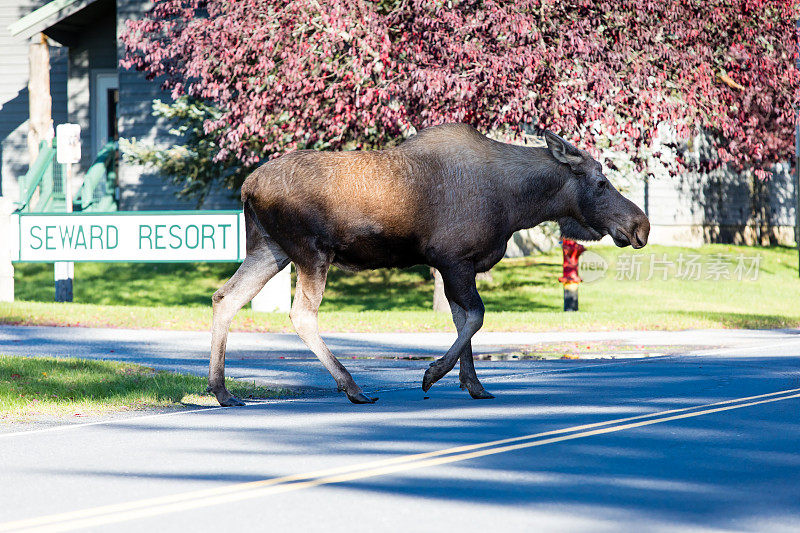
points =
(40, 124)
(761, 213)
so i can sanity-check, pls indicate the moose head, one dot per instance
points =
(592, 206)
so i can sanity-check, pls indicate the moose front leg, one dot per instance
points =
(466, 368)
(459, 284)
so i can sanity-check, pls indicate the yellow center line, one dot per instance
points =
(241, 491)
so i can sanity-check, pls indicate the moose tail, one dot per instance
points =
(251, 222)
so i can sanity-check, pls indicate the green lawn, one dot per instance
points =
(79, 387)
(523, 295)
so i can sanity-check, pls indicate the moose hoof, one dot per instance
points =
(431, 376)
(361, 398)
(231, 401)
(226, 399)
(476, 391)
(482, 394)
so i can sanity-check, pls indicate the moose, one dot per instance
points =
(448, 197)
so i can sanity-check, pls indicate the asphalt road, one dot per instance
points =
(706, 439)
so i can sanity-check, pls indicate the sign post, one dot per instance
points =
(68, 152)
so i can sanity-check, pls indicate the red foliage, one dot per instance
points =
(311, 73)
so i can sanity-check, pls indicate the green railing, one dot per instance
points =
(42, 187)
(37, 186)
(98, 192)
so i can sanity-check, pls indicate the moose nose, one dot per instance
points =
(640, 233)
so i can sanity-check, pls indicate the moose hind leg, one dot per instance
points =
(307, 297)
(459, 284)
(466, 367)
(261, 264)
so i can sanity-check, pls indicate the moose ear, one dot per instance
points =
(562, 150)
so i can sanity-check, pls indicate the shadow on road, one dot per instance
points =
(737, 469)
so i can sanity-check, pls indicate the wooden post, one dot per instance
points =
(40, 122)
(68, 152)
(68, 187)
(64, 271)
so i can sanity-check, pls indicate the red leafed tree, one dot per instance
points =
(319, 74)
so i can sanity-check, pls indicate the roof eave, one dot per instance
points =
(46, 16)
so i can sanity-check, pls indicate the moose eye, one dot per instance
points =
(602, 184)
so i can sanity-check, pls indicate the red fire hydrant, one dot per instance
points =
(570, 278)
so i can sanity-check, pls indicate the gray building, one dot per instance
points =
(720, 206)
(88, 87)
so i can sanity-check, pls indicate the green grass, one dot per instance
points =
(136, 284)
(523, 295)
(31, 386)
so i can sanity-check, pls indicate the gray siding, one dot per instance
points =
(141, 188)
(720, 206)
(14, 95)
(95, 51)
(72, 85)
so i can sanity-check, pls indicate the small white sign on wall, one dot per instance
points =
(68, 143)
